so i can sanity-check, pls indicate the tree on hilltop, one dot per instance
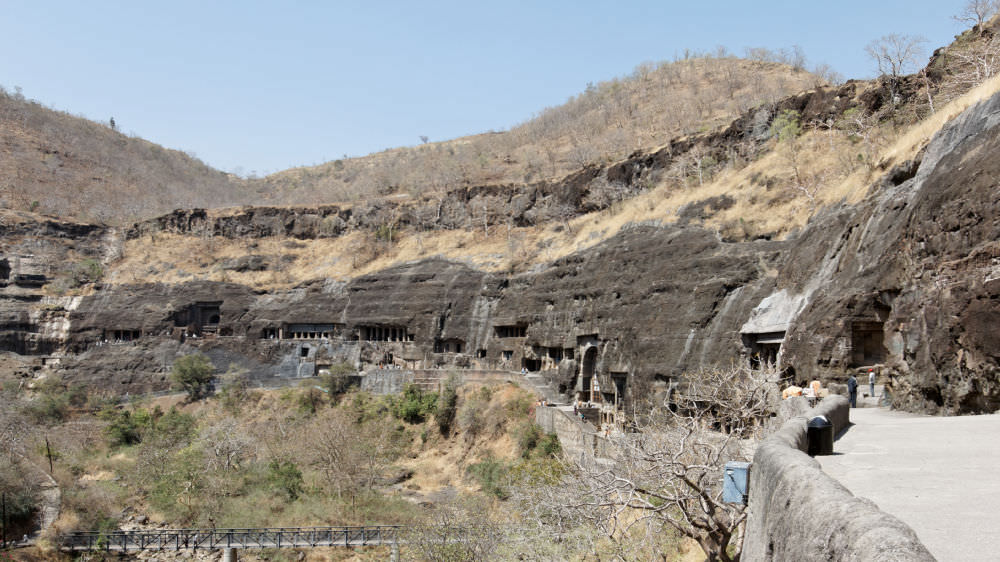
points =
(976, 12)
(894, 56)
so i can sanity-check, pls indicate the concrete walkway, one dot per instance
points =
(937, 474)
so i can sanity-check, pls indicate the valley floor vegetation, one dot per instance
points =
(319, 454)
(466, 462)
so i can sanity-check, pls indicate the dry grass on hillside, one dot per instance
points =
(603, 124)
(56, 163)
(762, 198)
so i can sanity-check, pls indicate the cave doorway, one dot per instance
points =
(763, 350)
(867, 343)
(620, 380)
(588, 381)
(532, 365)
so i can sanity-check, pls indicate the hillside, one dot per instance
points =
(837, 230)
(59, 164)
(744, 180)
(605, 123)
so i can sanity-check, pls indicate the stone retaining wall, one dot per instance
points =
(797, 512)
(578, 440)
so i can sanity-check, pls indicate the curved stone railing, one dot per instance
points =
(798, 512)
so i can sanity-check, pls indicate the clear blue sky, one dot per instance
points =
(264, 86)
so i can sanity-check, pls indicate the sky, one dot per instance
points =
(258, 87)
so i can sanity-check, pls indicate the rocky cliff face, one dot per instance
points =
(907, 282)
(910, 279)
(591, 189)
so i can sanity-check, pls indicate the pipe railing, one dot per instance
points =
(211, 539)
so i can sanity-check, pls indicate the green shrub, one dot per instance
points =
(492, 475)
(123, 428)
(130, 427)
(53, 401)
(447, 406)
(87, 271)
(414, 405)
(192, 374)
(337, 383)
(549, 446)
(173, 428)
(527, 435)
(286, 477)
(310, 399)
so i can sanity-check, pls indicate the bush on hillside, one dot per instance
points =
(53, 401)
(447, 405)
(285, 477)
(492, 475)
(192, 374)
(414, 405)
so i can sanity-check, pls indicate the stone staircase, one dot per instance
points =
(543, 388)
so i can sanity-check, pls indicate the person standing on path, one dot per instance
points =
(852, 391)
(871, 382)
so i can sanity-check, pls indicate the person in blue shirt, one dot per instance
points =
(852, 391)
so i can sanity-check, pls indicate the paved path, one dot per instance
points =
(937, 474)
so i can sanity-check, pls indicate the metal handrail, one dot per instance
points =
(211, 539)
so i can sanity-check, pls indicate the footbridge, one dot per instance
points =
(216, 539)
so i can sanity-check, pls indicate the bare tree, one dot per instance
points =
(787, 128)
(894, 56)
(332, 436)
(669, 471)
(227, 445)
(13, 429)
(349, 454)
(862, 126)
(456, 533)
(976, 12)
(976, 62)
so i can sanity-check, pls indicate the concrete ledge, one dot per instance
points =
(835, 408)
(797, 512)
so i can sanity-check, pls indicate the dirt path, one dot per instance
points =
(51, 502)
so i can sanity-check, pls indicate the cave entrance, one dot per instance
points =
(763, 349)
(588, 382)
(532, 365)
(867, 343)
(619, 380)
(200, 317)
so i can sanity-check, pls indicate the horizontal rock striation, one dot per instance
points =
(906, 282)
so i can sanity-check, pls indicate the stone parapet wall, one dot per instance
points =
(578, 439)
(797, 512)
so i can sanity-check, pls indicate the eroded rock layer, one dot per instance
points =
(906, 282)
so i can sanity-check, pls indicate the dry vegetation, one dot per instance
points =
(656, 102)
(768, 190)
(297, 456)
(56, 163)
(770, 196)
(60, 164)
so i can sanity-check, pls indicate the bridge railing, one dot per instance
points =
(211, 539)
